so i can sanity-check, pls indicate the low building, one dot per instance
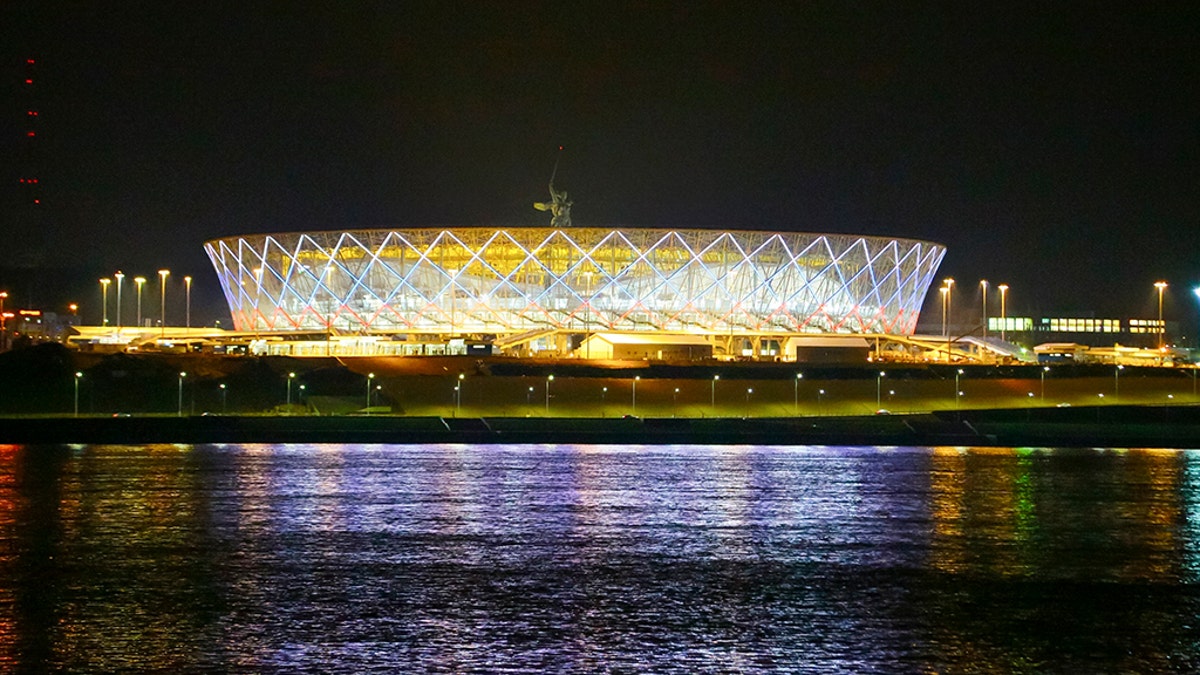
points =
(639, 346)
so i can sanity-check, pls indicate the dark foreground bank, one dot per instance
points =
(1111, 426)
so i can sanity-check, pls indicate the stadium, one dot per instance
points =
(553, 289)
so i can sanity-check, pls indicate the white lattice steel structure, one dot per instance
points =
(490, 280)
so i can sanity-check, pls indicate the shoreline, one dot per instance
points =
(1176, 426)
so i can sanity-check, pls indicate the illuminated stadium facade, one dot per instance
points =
(493, 281)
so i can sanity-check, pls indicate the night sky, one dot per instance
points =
(1051, 146)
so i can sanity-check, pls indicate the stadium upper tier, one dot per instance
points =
(493, 280)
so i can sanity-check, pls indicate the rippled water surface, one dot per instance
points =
(340, 558)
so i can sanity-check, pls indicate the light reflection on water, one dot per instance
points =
(586, 558)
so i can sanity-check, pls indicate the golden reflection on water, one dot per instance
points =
(1022, 512)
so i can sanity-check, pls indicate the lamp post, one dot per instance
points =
(120, 277)
(879, 389)
(749, 391)
(181, 376)
(103, 301)
(458, 392)
(1045, 369)
(796, 393)
(949, 315)
(949, 302)
(1003, 311)
(957, 374)
(1117, 381)
(984, 285)
(821, 401)
(603, 398)
(1162, 327)
(223, 407)
(945, 291)
(290, 377)
(714, 391)
(4, 324)
(674, 401)
(187, 284)
(549, 379)
(529, 397)
(140, 281)
(162, 302)
(77, 376)
(300, 395)
(633, 400)
(370, 381)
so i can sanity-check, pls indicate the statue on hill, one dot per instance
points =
(559, 205)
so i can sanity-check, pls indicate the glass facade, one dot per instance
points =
(512, 280)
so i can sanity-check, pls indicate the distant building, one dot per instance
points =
(1083, 330)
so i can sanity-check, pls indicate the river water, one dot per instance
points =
(368, 558)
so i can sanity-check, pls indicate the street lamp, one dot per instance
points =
(949, 294)
(181, 376)
(674, 401)
(549, 379)
(945, 291)
(120, 277)
(714, 391)
(821, 401)
(749, 391)
(1162, 328)
(603, 398)
(796, 393)
(290, 377)
(879, 389)
(949, 316)
(984, 285)
(223, 407)
(103, 300)
(370, 380)
(162, 307)
(957, 374)
(634, 399)
(1045, 369)
(187, 282)
(1003, 310)
(3, 323)
(140, 281)
(1117, 381)
(458, 392)
(77, 376)
(529, 397)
